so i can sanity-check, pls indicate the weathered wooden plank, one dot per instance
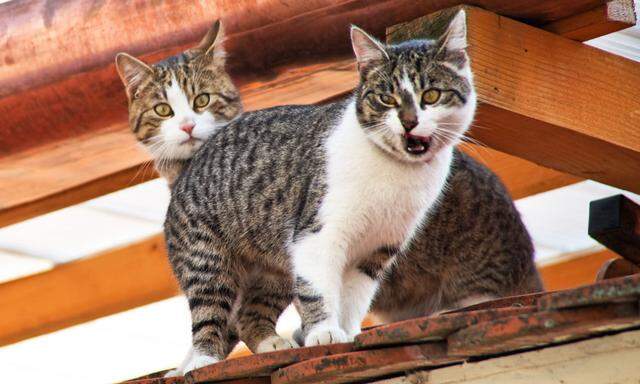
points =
(620, 289)
(85, 289)
(541, 97)
(431, 328)
(362, 366)
(606, 359)
(263, 364)
(608, 18)
(615, 223)
(541, 328)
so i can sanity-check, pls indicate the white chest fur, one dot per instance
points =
(372, 199)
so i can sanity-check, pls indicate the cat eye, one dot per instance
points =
(431, 96)
(163, 110)
(202, 100)
(388, 100)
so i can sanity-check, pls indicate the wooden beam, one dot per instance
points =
(608, 18)
(521, 177)
(57, 175)
(548, 99)
(85, 289)
(139, 274)
(80, 92)
(615, 223)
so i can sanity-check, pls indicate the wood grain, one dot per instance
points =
(521, 177)
(542, 97)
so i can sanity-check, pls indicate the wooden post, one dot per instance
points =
(615, 223)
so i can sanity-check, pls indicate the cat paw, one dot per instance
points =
(298, 336)
(199, 360)
(325, 336)
(275, 343)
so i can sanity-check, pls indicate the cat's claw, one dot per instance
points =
(325, 336)
(198, 360)
(275, 343)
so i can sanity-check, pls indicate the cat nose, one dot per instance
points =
(188, 128)
(409, 123)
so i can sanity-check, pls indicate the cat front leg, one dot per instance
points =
(318, 266)
(208, 278)
(360, 284)
(267, 295)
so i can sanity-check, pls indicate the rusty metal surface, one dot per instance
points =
(619, 289)
(430, 328)
(263, 364)
(364, 365)
(541, 328)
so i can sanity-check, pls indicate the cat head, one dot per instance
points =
(176, 104)
(417, 97)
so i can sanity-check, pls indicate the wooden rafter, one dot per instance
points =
(67, 172)
(139, 274)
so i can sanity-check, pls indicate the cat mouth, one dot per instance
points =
(416, 145)
(191, 141)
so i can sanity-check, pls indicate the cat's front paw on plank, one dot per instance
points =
(275, 343)
(325, 336)
(198, 360)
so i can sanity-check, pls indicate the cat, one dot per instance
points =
(304, 203)
(177, 103)
(474, 247)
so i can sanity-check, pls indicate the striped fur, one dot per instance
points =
(304, 202)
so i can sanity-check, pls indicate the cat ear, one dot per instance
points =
(368, 50)
(455, 39)
(211, 43)
(132, 71)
